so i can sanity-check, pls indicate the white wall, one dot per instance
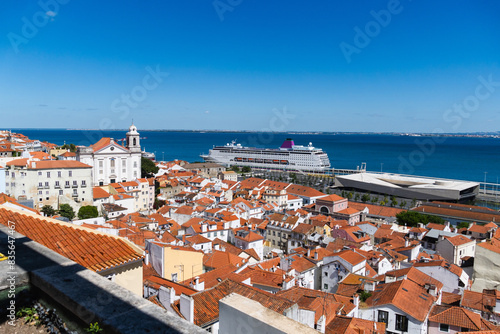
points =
(2, 180)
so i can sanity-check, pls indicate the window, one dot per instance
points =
(100, 164)
(48, 175)
(401, 323)
(39, 173)
(383, 316)
(83, 183)
(70, 173)
(60, 192)
(326, 274)
(444, 328)
(325, 286)
(112, 163)
(174, 277)
(59, 174)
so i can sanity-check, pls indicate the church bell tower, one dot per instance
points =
(133, 139)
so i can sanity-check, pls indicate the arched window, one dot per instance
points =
(135, 141)
(324, 209)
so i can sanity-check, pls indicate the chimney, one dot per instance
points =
(166, 296)
(390, 279)
(432, 290)
(308, 252)
(316, 255)
(406, 242)
(355, 300)
(187, 307)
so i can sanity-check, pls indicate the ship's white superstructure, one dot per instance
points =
(288, 157)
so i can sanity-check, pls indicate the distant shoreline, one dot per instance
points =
(406, 134)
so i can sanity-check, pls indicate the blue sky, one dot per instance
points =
(242, 65)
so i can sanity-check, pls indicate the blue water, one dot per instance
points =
(447, 157)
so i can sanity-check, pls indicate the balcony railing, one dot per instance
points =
(74, 186)
(67, 186)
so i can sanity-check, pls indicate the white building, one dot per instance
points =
(455, 248)
(245, 239)
(335, 268)
(2, 180)
(112, 162)
(454, 278)
(50, 182)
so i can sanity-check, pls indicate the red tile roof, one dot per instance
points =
(218, 259)
(93, 250)
(206, 303)
(406, 295)
(455, 316)
(294, 294)
(459, 240)
(100, 193)
(347, 325)
(56, 164)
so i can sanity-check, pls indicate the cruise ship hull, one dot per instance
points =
(288, 157)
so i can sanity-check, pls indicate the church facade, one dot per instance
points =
(112, 162)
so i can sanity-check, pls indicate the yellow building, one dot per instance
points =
(175, 263)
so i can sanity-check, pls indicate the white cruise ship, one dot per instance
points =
(288, 157)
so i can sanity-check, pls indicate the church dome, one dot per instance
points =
(132, 129)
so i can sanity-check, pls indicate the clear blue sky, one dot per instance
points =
(230, 67)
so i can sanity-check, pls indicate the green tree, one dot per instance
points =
(88, 211)
(463, 224)
(158, 204)
(413, 202)
(402, 204)
(349, 195)
(235, 168)
(67, 211)
(356, 197)
(412, 219)
(48, 210)
(71, 147)
(365, 198)
(246, 169)
(394, 202)
(374, 199)
(148, 168)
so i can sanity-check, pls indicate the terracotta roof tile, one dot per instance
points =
(93, 250)
(406, 295)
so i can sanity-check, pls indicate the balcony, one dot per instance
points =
(74, 194)
(46, 187)
(57, 186)
(40, 187)
(83, 186)
(74, 186)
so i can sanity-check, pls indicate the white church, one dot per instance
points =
(112, 162)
